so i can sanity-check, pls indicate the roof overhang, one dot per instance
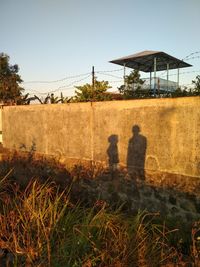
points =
(144, 61)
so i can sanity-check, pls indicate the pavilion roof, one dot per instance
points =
(144, 61)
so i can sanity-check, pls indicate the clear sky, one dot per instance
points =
(54, 39)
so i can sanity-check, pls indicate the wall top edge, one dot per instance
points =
(128, 103)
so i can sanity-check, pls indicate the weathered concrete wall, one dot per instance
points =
(169, 129)
(51, 129)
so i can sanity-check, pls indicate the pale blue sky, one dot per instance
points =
(52, 39)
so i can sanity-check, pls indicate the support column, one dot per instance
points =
(124, 75)
(177, 78)
(154, 76)
(167, 77)
(150, 79)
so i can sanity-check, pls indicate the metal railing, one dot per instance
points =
(159, 84)
(156, 85)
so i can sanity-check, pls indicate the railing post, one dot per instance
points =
(154, 76)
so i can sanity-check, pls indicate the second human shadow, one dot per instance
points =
(136, 154)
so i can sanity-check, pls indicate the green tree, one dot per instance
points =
(87, 92)
(133, 85)
(180, 92)
(10, 89)
(196, 82)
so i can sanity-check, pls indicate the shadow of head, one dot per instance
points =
(136, 129)
(113, 139)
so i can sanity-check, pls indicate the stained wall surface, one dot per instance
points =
(158, 135)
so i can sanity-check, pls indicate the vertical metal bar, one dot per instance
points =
(93, 81)
(159, 87)
(167, 77)
(150, 80)
(154, 76)
(178, 78)
(93, 77)
(124, 76)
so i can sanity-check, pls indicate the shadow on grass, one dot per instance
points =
(94, 188)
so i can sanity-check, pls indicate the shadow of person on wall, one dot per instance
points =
(136, 154)
(113, 155)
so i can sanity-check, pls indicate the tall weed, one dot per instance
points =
(42, 227)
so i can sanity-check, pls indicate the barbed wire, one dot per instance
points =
(186, 72)
(69, 86)
(32, 90)
(71, 77)
(67, 89)
(174, 74)
(107, 74)
(191, 54)
(188, 57)
(103, 71)
(193, 58)
(122, 81)
(60, 80)
(64, 87)
(43, 93)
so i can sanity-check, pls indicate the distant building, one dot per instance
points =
(152, 62)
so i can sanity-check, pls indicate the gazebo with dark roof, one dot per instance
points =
(152, 61)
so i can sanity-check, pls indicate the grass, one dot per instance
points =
(41, 225)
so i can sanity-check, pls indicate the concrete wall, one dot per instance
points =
(170, 128)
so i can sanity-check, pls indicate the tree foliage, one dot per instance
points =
(87, 92)
(133, 85)
(195, 91)
(133, 88)
(10, 89)
(196, 82)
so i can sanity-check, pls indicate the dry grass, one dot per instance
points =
(41, 226)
